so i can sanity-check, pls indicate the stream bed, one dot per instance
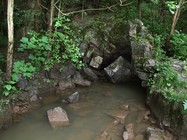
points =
(94, 114)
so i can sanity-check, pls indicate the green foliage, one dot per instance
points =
(38, 46)
(21, 67)
(9, 88)
(166, 80)
(159, 52)
(46, 49)
(172, 6)
(29, 16)
(3, 40)
(179, 45)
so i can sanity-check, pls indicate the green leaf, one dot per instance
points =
(47, 47)
(24, 40)
(44, 39)
(32, 57)
(185, 104)
(11, 82)
(15, 77)
(8, 87)
(6, 93)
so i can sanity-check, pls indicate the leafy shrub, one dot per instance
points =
(179, 45)
(47, 49)
(166, 79)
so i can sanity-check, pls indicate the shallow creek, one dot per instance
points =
(89, 118)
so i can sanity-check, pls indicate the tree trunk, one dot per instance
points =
(51, 15)
(139, 9)
(37, 16)
(10, 23)
(174, 20)
(162, 13)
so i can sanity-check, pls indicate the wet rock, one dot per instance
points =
(33, 98)
(158, 134)
(16, 109)
(65, 84)
(104, 136)
(91, 36)
(96, 62)
(73, 98)
(125, 135)
(80, 81)
(112, 132)
(142, 75)
(90, 74)
(140, 128)
(22, 83)
(129, 133)
(68, 71)
(120, 116)
(58, 117)
(147, 115)
(169, 113)
(83, 47)
(119, 70)
(150, 64)
(125, 107)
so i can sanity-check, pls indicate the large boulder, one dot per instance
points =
(58, 117)
(119, 70)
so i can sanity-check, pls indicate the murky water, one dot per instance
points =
(89, 118)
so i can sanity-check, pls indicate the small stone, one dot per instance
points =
(147, 114)
(130, 130)
(125, 135)
(73, 98)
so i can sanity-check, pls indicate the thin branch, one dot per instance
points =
(43, 6)
(99, 9)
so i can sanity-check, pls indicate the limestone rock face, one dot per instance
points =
(58, 117)
(119, 70)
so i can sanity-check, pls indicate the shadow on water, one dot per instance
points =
(90, 117)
